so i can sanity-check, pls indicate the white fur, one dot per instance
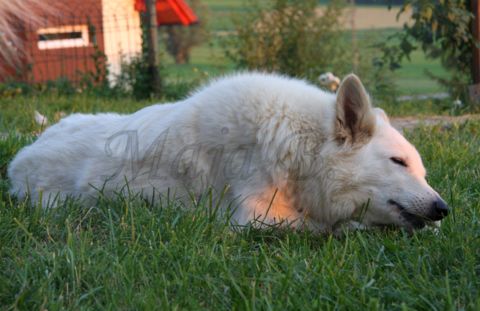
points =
(271, 139)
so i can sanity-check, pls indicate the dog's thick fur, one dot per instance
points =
(287, 151)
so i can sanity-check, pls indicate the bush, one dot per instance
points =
(442, 30)
(378, 79)
(180, 40)
(134, 78)
(291, 37)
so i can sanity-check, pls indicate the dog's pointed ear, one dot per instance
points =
(382, 114)
(355, 118)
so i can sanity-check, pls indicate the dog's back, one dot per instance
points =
(203, 141)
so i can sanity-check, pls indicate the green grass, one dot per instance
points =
(16, 114)
(419, 108)
(221, 13)
(207, 60)
(412, 78)
(128, 254)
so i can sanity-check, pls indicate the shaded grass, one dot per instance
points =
(16, 114)
(418, 108)
(412, 77)
(126, 253)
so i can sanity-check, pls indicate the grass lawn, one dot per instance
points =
(128, 254)
(412, 78)
(16, 113)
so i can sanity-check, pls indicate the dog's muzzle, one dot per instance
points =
(438, 210)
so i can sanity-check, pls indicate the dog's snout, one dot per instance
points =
(439, 210)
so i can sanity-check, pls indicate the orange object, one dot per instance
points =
(170, 12)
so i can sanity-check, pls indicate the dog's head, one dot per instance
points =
(377, 168)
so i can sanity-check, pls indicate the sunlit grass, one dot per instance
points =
(126, 253)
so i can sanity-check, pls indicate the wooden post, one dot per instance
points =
(152, 44)
(476, 35)
(474, 89)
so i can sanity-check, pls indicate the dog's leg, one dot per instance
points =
(270, 206)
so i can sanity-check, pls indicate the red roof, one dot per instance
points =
(170, 12)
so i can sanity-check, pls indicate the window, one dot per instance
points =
(63, 37)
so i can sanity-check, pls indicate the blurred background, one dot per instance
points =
(414, 56)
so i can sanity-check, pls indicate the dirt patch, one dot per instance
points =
(370, 18)
(412, 122)
(373, 17)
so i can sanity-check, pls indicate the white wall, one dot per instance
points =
(122, 33)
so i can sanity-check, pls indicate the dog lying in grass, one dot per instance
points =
(277, 150)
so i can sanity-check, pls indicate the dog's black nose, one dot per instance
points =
(439, 210)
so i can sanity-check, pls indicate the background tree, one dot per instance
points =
(442, 29)
(291, 37)
(180, 40)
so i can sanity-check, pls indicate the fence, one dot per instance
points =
(86, 38)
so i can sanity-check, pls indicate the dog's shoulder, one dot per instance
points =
(265, 92)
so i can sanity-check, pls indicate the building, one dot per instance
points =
(85, 37)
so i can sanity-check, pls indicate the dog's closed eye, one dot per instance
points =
(399, 161)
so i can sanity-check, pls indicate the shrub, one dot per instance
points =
(442, 30)
(291, 37)
(180, 40)
(378, 79)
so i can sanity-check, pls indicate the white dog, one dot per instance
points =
(288, 153)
